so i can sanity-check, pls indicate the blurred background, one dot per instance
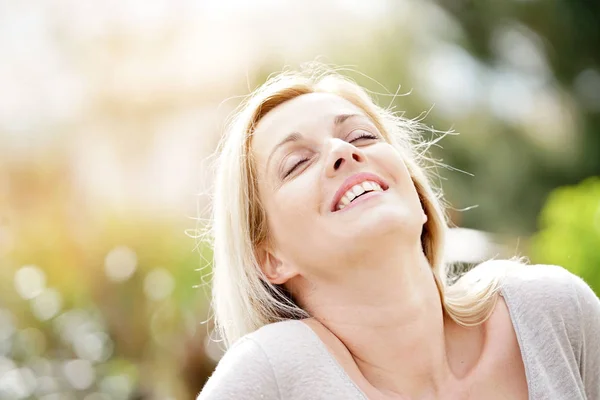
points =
(109, 110)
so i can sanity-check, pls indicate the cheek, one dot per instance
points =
(294, 210)
(392, 164)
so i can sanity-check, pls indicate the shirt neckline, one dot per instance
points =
(513, 319)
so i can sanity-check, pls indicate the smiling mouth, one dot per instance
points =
(357, 191)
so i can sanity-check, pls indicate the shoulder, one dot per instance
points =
(531, 281)
(556, 318)
(290, 346)
(551, 282)
(550, 298)
(541, 286)
(279, 333)
(254, 365)
(243, 372)
(538, 294)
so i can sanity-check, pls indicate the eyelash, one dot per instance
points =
(364, 135)
(305, 159)
(300, 162)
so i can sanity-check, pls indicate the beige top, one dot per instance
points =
(556, 318)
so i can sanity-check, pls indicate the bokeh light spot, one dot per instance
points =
(46, 385)
(79, 373)
(118, 386)
(47, 304)
(159, 284)
(6, 364)
(120, 263)
(17, 383)
(30, 281)
(95, 346)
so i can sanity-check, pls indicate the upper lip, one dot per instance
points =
(355, 180)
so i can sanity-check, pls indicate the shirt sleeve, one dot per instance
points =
(589, 365)
(243, 373)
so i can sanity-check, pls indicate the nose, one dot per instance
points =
(341, 156)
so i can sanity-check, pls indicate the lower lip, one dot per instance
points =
(360, 200)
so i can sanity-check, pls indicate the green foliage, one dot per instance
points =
(570, 231)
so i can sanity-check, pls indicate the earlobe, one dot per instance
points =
(276, 271)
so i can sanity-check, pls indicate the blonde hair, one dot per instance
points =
(243, 299)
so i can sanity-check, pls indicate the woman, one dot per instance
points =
(329, 281)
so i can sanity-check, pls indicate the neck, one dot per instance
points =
(388, 314)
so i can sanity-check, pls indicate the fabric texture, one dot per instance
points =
(555, 314)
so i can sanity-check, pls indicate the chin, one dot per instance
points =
(386, 222)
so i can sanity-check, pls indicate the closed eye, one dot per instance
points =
(364, 135)
(299, 163)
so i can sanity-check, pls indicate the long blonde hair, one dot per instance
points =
(243, 299)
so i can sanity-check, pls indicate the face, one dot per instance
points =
(314, 156)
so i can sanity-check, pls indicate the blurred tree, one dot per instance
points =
(570, 231)
(569, 36)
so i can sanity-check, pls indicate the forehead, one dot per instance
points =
(308, 114)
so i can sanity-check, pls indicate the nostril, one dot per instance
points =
(338, 163)
(356, 157)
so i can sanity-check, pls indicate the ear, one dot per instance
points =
(275, 269)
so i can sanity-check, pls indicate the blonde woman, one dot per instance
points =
(329, 281)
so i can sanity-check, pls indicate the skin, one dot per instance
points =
(361, 273)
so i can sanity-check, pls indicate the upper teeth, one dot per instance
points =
(357, 190)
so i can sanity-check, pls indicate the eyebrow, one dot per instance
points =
(297, 136)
